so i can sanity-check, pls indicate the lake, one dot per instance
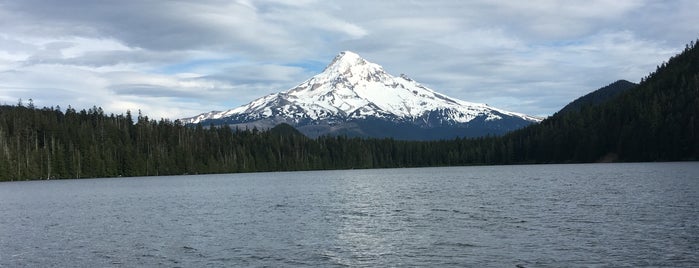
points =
(644, 214)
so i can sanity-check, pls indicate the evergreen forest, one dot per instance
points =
(656, 120)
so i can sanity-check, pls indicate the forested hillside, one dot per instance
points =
(658, 120)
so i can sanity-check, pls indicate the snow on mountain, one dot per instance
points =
(351, 89)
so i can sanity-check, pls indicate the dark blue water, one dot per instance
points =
(500, 216)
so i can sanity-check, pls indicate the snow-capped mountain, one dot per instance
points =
(355, 97)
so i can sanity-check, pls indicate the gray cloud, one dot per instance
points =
(178, 58)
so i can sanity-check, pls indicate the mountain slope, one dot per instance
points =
(599, 96)
(355, 97)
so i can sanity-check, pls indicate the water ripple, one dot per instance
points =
(619, 215)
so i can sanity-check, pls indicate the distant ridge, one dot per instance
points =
(285, 130)
(599, 96)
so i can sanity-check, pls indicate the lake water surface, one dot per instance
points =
(497, 216)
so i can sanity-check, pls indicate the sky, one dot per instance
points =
(176, 58)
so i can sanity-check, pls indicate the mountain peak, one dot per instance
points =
(352, 91)
(348, 57)
(348, 54)
(347, 60)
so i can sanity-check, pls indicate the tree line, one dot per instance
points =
(657, 120)
(48, 143)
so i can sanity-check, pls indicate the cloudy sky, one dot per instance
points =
(175, 59)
